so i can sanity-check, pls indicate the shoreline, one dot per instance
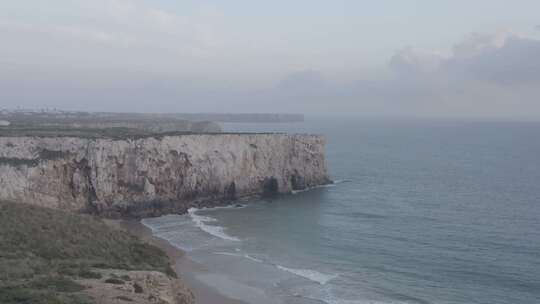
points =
(185, 268)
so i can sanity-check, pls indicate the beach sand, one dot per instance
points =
(185, 268)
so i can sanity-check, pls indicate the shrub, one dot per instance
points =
(124, 299)
(43, 252)
(58, 284)
(88, 274)
(114, 281)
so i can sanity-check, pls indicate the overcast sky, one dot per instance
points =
(450, 58)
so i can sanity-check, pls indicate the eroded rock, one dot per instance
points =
(155, 175)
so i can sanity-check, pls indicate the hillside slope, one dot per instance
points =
(51, 256)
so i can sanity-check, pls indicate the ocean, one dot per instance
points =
(421, 211)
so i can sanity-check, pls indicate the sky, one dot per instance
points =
(421, 58)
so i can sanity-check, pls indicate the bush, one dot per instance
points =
(114, 281)
(137, 288)
(58, 284)
(43, 252)
(20, 295)
(88, 274)
(124, 299)
(68, 240)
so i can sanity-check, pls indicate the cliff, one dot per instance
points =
(150, 176)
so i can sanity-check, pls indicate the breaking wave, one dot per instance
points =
(247, 256)
(332, 184)
(217, 231)
(311, 275)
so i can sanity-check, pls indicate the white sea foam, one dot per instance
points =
(341, 301)
(309, 274)
(312, 188)
(247, 256)
(331, 299)
(229, 254)
(230, 206)
(147, 225)
(333, 184)
(217, 231)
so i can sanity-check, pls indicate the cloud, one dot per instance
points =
(477, 43)
(514, 62)
(68, 32)
(537, 27)
(122, 54)
(110, 27)
(415, 61)
(484, 75)
(302, 81)
(502, 58)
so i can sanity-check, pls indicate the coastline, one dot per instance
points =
(184, 267)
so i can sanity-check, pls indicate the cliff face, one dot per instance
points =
(155, 175)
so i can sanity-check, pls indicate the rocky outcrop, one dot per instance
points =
(138, 287)
(154, 175)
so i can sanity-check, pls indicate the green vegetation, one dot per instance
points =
(43, 252)
(42, 131)
(113, 133)
(114, 281)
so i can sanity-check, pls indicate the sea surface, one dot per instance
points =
(420, 212)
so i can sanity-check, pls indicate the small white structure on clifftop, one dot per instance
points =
(4, 123)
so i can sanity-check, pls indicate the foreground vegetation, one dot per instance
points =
(44, 252)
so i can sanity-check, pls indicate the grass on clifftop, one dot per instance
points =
(44, 251)
(117, 133)
(46, 131)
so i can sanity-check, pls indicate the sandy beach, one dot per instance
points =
(185, 268)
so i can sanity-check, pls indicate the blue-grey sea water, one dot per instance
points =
(421, 212)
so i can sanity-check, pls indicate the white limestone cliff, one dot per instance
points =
(155, 175)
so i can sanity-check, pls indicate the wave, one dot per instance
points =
(341, 301)
(341, 181)
(311, 275)
(247, 256)
(332, 184)
(329, 298)
(149, 226)
(233, 205)
(217, 231)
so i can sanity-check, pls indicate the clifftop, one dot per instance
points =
(47, 116)
(112, 133)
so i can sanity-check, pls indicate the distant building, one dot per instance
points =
(4, 123)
